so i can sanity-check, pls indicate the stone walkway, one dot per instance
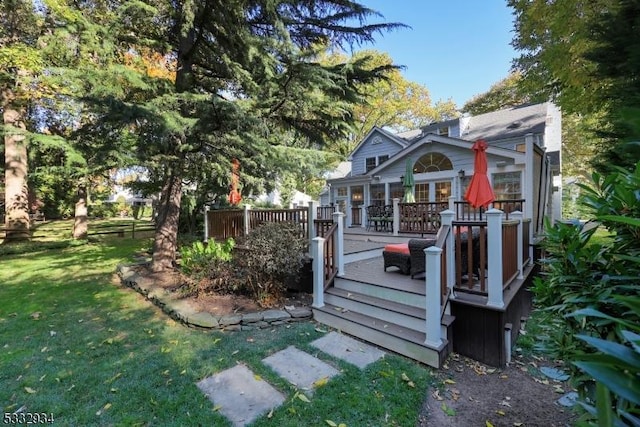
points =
(242, 397)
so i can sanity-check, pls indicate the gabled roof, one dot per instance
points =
(517, 156)
(508, 123)
(401, 142)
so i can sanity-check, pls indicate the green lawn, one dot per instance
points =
(77, 345)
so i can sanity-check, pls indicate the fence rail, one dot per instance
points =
(224, 224)
(325, 212)
(509, 252)
(297, 216)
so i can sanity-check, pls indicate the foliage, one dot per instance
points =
(392, 102)
(195, 259)
(593, 288)
(272, 257)
(504, 94)
(599, 40)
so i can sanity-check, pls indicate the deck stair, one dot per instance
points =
(386, 309)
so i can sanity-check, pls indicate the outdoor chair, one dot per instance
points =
(397, 256)
(377, 217)
(416, 251)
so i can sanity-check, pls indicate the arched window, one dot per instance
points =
(432, 162)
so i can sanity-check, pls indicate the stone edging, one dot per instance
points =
(183, 312)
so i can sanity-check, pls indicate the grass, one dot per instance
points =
(81, 347)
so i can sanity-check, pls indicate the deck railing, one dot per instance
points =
(325, 212)
(509, 252)
(470, 241)
(330, 261)
(322, 226)
(420, 217)
(466, 212)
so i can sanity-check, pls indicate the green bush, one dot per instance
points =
(592, 288)
(196, 259)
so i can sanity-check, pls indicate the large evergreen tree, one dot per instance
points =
(245, 74)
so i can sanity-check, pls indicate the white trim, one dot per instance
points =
(401, 142)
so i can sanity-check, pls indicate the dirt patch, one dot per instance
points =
(472, 394)
(219, 304)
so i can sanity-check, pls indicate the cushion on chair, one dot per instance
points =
(401, 248)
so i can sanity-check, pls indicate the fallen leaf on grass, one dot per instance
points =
(303, 398)
(501, 413)
(436, 395)
(29, 390)
(322, 381)
(104, 408)
(406, 379)
(488, 424)
(449, 381)
(257, 377)
(35, 316)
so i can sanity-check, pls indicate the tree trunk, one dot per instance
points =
(165, 243)
(15, 171)
(80, 223)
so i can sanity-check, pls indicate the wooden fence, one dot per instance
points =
(509, 252)
(231, 223)
(325, 212)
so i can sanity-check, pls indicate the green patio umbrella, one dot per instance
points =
(408, 182)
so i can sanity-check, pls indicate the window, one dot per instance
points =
(341, 192)
(370, 163)
(444, 131)
(357, 195)
(397, 190)
(506, 186)
(377, 194)
(443, 191)
(422, 192)
(432, 162)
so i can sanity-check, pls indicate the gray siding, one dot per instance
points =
(386, 147)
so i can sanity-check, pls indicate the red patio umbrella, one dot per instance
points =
(479, 193)
(234, 194)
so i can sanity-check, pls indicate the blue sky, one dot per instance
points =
(455, 48)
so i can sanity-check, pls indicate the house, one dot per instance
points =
(476, 271)
(524, 162)
(298, 199)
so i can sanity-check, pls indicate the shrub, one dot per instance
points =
(593, 290)
(272, 257)
(196, 259)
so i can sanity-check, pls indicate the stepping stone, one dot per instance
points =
(348, 349)
(240, 396)
(554, 374)
(299, 368)
(569, 399)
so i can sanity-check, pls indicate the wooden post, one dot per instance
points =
(337, 218)
(447, 217)
(206, 223)
(317, 253)
(494, 257)
(246, 219)
(517, 215)
(396, 216)
(432, 294)
(312, 215)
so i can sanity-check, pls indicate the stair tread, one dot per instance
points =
(379, 302)
(418, 288)
(380, 325)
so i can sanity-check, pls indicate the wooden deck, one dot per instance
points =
(387, 309)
